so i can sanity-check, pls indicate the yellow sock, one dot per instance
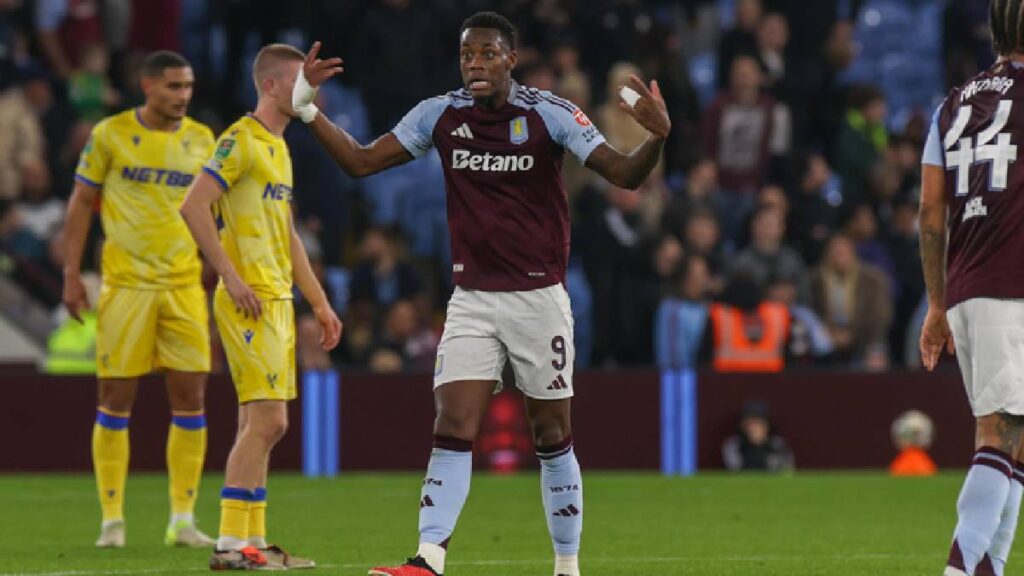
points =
(186, 451)
(234, 516)
(258, 519)
(110, 460)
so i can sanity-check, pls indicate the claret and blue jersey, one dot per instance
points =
(975, 136)
(507, 207)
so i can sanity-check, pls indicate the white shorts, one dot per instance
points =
(532, 329)
(989, 337)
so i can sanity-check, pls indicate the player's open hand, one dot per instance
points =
(317, 71)
(75, 298)
(649, 110)
(243, 296)
(935, 335)
(330, 327)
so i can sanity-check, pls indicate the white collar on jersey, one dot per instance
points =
(513, 92)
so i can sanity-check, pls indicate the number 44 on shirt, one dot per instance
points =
(1000, 153)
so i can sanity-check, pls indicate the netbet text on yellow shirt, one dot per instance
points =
(144, 175)
(254, 168)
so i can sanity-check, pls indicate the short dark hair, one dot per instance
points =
(1007, 28)
(494, 21)
(157, 62)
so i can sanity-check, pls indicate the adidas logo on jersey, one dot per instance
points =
(487, 162)
(558, 384)
(463, 132)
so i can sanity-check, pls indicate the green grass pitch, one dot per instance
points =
(837, 524)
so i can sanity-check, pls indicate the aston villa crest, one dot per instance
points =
(518, 131)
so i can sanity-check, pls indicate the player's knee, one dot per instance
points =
(456, 424)
(191, 399)
(271, 428)
(1000, 431)
(118, 397)
(549, 434)
(277, 429)
(116, 404)
(549, 431)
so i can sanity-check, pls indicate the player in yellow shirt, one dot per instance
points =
(245, 190)
(152, 308)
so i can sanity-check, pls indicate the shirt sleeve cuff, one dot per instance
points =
(87, 181)
(408, 141)
(220, 179)
(583, 152)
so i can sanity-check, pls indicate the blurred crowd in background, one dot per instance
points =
(791, 176)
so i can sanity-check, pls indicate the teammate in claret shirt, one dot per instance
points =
(972, 249)
(502, 146)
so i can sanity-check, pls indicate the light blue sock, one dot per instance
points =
(1002, 542)
(445, 489)
(562, 492)
(980, 506)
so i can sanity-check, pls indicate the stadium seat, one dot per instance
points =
(346, 109)
(726, 13)
(385, 190)
(423, 212)
(907, 67)
(703, 70)
(337, 279)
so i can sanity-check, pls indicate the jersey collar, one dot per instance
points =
(253, 117)
(513, 92)
(138, 118)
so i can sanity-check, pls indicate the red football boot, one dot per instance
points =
(247, 558)
(413, 567)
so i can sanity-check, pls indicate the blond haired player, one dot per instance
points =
(245, 189)
(152, 308)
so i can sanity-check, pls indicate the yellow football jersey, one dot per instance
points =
(254, 214)
(144, 175)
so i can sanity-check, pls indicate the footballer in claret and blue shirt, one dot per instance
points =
(502, 146)
(972, 251)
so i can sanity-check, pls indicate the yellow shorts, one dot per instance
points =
(261, 353)
(139, 331)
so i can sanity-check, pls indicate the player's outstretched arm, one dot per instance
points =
(630, 170)
(357, 160)
(302, 273)
(197, 211)
(935, 333)
(76, 230)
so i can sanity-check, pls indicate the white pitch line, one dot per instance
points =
(648, 560)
